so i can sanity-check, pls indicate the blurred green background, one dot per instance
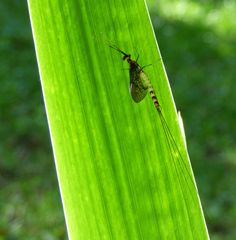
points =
(198, 45)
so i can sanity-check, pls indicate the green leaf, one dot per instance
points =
(123, 173)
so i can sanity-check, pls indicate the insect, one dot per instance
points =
(140, 85)
(139, 81)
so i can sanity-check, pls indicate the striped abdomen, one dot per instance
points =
(154, 98)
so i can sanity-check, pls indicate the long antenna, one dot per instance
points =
(117, 49)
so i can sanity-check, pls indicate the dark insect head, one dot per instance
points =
(125, 57)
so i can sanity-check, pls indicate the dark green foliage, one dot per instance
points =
(200, 65)
(30, 206)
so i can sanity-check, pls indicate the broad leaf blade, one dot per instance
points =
(120, 177)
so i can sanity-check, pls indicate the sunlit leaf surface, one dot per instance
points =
(123, 173)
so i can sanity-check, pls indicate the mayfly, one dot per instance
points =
(140, 85)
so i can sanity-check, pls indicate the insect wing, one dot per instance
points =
(138, 88)
(137, 92)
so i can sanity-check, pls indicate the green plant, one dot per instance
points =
(117, 177)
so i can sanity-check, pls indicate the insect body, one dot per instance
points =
(139, 86)
(139, 81)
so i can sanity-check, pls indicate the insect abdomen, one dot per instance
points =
(154, 98)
